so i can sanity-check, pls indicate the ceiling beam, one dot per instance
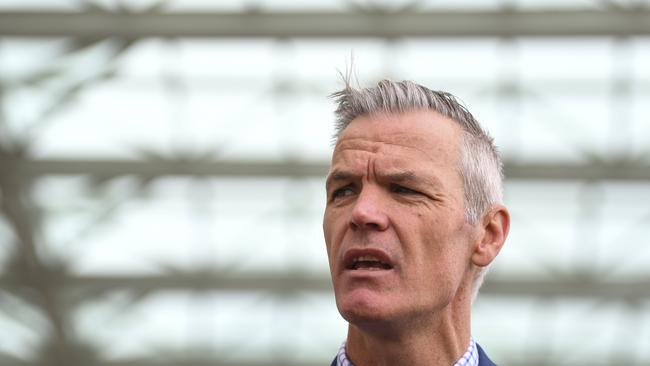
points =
(498, 23)
(288, 282)
(106, 169)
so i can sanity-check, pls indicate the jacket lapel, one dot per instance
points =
(483, 359)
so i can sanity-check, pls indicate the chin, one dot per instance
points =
(361, 307)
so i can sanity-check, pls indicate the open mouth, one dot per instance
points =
(367, 262)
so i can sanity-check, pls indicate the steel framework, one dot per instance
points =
(53, 289)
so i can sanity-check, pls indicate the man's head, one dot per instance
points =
(414, 213)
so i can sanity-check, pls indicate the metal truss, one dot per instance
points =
(291, 282)
(384, 24)
(622, 170)
(51, 287)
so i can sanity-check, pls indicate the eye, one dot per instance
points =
(396, 188)
(342, 192)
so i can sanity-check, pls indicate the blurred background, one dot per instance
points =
(162, 164)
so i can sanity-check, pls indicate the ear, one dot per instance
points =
(494, 230)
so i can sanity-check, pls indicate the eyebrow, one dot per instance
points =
(407, 176)
(413, 178)
(337, 176)
(397, 177)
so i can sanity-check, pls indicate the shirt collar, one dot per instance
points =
(470, 358)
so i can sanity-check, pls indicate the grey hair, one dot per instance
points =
(480, 165)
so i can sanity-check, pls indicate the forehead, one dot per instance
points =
(419, 135)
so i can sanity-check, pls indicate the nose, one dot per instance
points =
(368, 212)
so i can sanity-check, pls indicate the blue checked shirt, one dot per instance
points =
(470, 358)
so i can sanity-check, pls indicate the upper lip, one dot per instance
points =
(352, 254)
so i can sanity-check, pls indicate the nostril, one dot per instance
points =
(372, 225)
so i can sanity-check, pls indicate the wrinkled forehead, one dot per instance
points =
(422, 134)
(398, 151)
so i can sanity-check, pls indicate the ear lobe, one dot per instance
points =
(496, 224)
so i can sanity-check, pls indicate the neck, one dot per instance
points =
(435, 340)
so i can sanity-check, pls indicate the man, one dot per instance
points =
(413, 219)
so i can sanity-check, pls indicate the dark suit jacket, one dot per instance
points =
(483, 359)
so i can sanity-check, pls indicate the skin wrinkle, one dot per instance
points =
(379, 145)
(409, 140)
(428, 185)
(401, 138)
(433, 191)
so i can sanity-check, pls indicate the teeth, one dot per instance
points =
(370, 263)
(366, 258)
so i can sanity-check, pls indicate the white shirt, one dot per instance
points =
(470, 358)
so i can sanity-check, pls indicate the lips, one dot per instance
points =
(367, 259)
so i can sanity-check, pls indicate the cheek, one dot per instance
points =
(327, 232)
(437, 247)
(332, 231)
